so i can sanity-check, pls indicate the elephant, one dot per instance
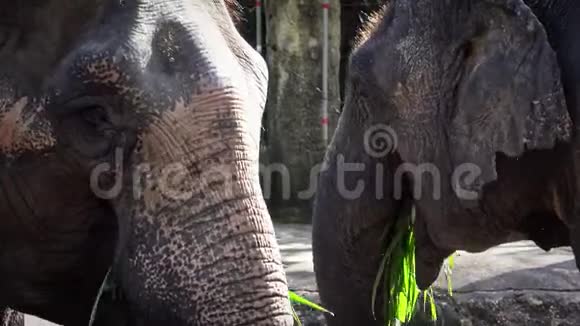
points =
(129, 141)
(11, 318)
(463, 112)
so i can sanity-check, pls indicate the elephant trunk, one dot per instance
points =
(223, 254)
(199, 245)
(356, 203)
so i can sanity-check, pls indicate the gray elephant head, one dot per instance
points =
(456, 108)
(129, 135)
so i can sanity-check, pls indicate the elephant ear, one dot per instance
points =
(510, 97)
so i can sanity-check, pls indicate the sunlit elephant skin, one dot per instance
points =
(488, 86)
(129, 137)
(11, 318)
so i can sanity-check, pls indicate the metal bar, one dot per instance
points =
(324, 109)
(259, 5)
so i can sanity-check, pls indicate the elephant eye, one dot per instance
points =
(468, 50)
(95, 116)
(3, 37)
(8, 36)
(92, 112)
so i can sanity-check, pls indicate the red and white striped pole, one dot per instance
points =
(259, 5)
(324, 109)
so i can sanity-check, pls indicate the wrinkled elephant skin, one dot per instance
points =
(129, 137)
(477, 104)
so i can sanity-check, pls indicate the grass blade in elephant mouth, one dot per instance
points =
(396, 273)
(296, 299)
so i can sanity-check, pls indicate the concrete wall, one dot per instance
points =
(293, 119)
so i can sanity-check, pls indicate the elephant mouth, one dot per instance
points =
(541, 211)
(429, 258)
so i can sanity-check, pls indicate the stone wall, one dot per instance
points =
(293, 133)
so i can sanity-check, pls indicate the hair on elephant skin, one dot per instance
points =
(129, 140)
(477, 102)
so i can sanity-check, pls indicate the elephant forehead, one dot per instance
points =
(22, 130)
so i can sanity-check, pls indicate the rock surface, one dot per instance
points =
(513, 284)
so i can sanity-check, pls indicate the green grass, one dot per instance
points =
(396, 278)
(396, 274)
(296, 299)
